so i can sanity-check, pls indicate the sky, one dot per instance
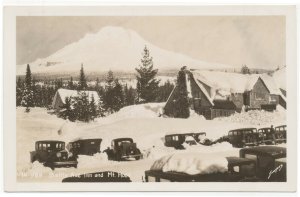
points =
(255, 41)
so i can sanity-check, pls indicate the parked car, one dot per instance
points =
(266, 136)
(270, 162)
(52, 154)
(85, 146)
(243, 137)
(239, 169)
(106, 176)
(123, 148)
(175, 140)
(280, 132)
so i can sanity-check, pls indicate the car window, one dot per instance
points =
(44, 146)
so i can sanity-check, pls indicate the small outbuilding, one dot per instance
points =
(61, 95)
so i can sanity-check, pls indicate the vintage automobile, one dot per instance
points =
(176, 140)
(280, 132)
(265, 136)
(123, 148)
(270, 162)
(52, 154)
(106, 176)
(243, 137)
(85, 146)
(255, 164)
(239, 169)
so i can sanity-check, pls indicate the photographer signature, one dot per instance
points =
(277, 169)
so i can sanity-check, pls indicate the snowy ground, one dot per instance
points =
(140, 122)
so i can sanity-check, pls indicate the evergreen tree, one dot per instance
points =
(66, 110)
(147, 85)
(82, 85)
(181, 102)
(245, 70)
(97, 86)
(100, 108)
(164, 92)
(71, 84)
(109, 92)
(19, 89)
(93, 109)
(117, 96)
(81, 107)
(27, 96)
(129, 95)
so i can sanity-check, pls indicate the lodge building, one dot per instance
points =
(215, 94)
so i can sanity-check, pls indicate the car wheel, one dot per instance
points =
(137, 157)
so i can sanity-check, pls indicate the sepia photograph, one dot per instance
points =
(152, 98)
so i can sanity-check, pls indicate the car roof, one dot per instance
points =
(91, 139)
(121, 139)
(273, 151)
(49, 141)
(243, 129)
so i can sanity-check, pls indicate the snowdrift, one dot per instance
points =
(191, 163)
(258, 117)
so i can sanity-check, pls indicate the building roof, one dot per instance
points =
(223, 84)
(65, 93)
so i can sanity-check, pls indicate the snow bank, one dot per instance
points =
(191, 163)
(148, 110)
(33, 169)
(257, 117)
(85, 161)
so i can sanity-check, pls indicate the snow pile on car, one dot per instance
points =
(191, 163)
(257, 117)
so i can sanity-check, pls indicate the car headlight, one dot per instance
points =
(58, 154)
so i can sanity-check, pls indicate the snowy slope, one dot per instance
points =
(112, 48)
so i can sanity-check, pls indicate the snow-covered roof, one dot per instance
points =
(225, 83)
(65, 93)
(270, 83)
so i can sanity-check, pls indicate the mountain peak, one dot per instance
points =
(114, 48)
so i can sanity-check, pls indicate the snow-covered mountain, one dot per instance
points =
(112, 48)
